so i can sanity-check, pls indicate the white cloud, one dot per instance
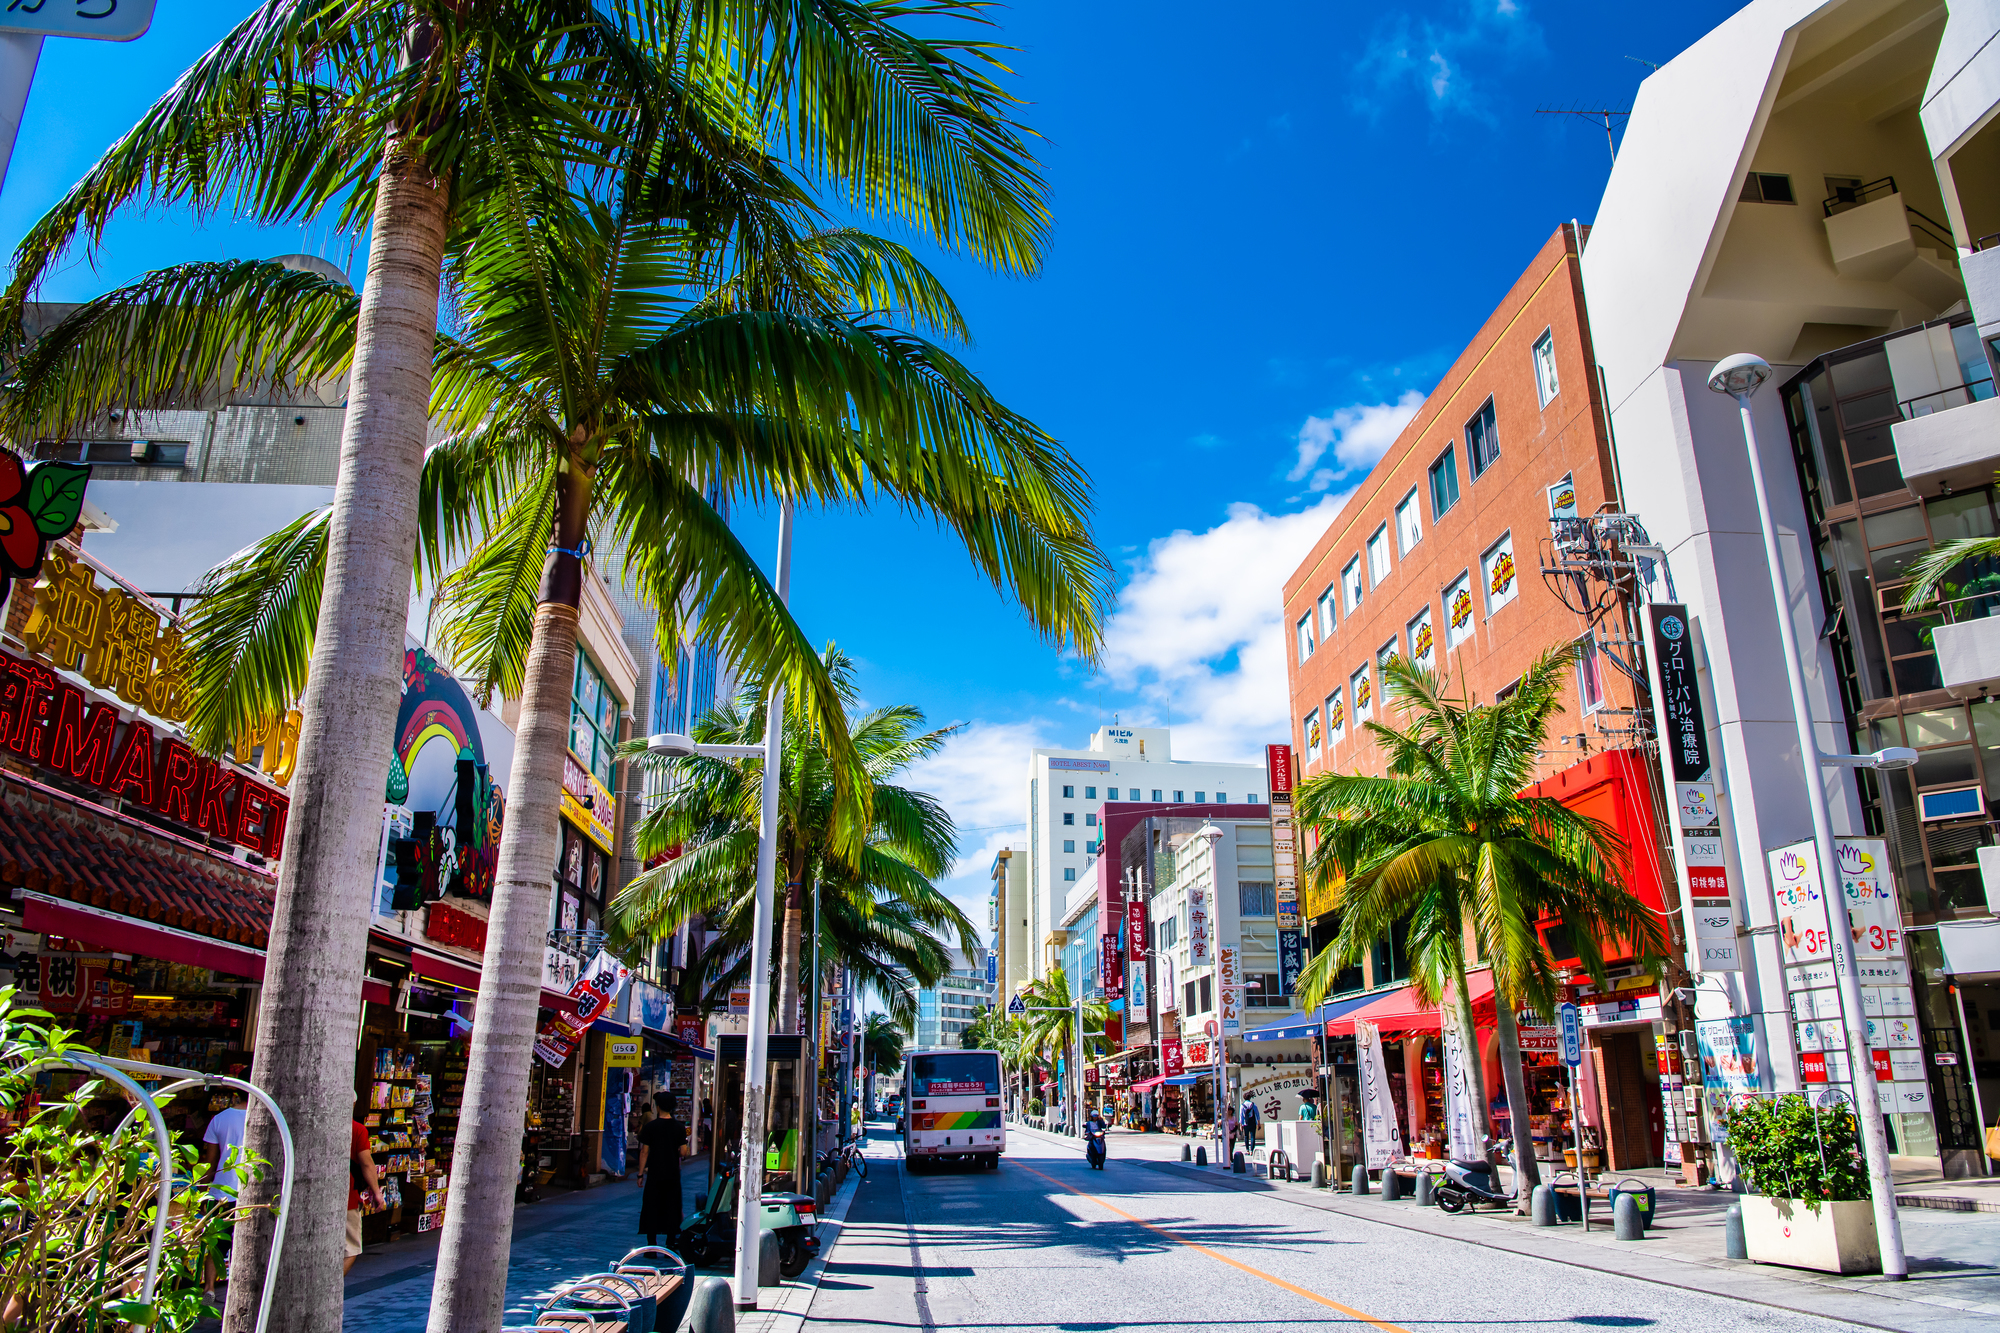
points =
(1198, 635)
(980, 777)
(1433, 53)
(1358, 435)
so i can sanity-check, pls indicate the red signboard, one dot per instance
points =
(688, 1028)
(1278, 767)
(1812, 1066)
(1135, 929)
(1109, 974)
(1170, 1057)
(1708, 881)
(1883, 1073)
(448, 925)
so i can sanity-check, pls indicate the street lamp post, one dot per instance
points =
(756, 1055)
(1739, 376)
(1219, 1055)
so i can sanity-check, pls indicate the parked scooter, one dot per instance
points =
(708, 1237)
(1469, 1182)
(1093, 1145)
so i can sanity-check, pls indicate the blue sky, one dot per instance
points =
(1274, 228)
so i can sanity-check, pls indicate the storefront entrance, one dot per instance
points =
(1628, 1101)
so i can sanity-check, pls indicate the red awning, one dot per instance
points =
(1146, 1084)
(1401, 1010)
(437, 967)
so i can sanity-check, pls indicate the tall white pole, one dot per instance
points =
(1881, 1177)
(19, 53)
(756, 1056)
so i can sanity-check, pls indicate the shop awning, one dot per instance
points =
(441, 967)
(698, 1052)
(1183, 1080)
(1401, 1011)
(1147, 1084)
(1285, 1029)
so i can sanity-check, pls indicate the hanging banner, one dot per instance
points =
(1199, 925)
(592, 994)
(1381, 1132)
(1135, 928)
(1291, 960)
(1230, 982)
(1171, 1062)
(1683, 731)
(1461, 1119)
(1108, 971)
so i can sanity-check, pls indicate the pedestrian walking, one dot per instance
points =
(1230, 1130)
(660, 1172)
(1251, 1119)
(362, 1184)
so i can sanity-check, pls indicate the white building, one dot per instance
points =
(950, 1007)
(1811, 182)
(1067, 793)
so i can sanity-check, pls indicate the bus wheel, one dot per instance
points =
(992, 1162)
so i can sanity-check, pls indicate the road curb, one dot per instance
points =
(788, 1312)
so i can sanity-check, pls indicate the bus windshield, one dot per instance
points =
(971, 1074)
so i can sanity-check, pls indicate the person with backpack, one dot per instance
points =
(1250, 1119)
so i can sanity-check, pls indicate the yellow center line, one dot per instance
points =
(1271, 1278)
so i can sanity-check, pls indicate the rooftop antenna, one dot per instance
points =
(1601, 117)
(1653, 65)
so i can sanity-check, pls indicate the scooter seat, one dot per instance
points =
(1478, 1164)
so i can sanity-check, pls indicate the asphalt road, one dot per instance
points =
(1045, 1243)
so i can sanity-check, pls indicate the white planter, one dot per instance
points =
(1840, 1238)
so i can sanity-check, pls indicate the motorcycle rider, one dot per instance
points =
(1093, 1138)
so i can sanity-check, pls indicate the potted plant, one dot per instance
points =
(1809, 1207)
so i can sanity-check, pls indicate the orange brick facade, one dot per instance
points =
(1461, 558)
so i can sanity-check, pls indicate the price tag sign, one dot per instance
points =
(100, 20)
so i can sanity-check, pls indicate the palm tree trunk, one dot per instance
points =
(471, 1286)
(308, 1015)
(789, 948)
(1526, 1174)
(1468, 1046)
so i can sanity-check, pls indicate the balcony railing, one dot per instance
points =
(1846, 197)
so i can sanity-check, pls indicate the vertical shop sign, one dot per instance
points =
(1459, 1116)
(1198, 925)
(1135, 992)
(1683, 733)
(1135, 927)
(1231, 984)
(1291, 960)
(1728, 1064)
(1108, 970)
(1171, 1062)
(1381, 1132)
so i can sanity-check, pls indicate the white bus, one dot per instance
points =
(951, 1108)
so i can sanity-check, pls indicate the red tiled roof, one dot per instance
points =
(67, 848)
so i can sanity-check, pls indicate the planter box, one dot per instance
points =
(1840, 1239)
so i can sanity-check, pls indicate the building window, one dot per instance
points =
(1458, 611)
(1378, 556)
(1496, 570)
(1222, 798)
(1350, 580)
(1546, 385)
(1388, 653)
(1156, 794)
(593, 721)
(1090, 793)
(1179, 797)
(1069, 875)
(1589, 674)
(1090, 821)
(1306, 644)
(1264, 990)
(1069, 793)
(1336, 717)
(1254, 898)
(1069, 817)
(1329, 610)
(1482, 441)
(1768, 187)
(1069, 845)
(1423, 641)
(1111, 794)
(1409, 522)
(1444, 482)
(1363, 694)
(1200, 798)
(1251, 799)
(1206, 987)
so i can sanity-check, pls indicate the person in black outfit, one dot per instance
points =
(660, 1143)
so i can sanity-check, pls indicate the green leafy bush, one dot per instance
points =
(1788, 1150)
(78, 1201)
(1034, 1106)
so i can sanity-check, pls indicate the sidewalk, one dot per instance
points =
(1954, 1258)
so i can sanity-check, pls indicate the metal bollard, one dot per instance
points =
(710, 1309)
(1187, 1153)
(1733, 1244)
(1201, 1156)
(1626, 1223)
(1322, 1175)
(767, 1259)
(1392, 1185)
(1425, 1182)
(1360, 1180)
(1542, 1206)
(1236, 1163)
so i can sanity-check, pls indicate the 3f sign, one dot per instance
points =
(104, 20)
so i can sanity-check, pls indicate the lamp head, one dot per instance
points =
(1209, 832)
(1893, 758)
(670, 745)
(1740, 374)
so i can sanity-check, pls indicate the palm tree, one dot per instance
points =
(1931, 575)
(1051, 1023)
(1446, 847)
(882, 1044)
(880, 913)
(401, 115)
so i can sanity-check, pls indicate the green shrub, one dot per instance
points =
(77, 1202)
(1787, 1150)
(1034, 1106)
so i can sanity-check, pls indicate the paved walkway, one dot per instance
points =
(1954, 1257)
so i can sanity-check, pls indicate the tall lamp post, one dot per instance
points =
(756, 1056)
(1739, 376)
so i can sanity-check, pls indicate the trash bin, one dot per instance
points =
(1642, 1194)
(1569, 1199)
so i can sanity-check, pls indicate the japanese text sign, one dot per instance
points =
(1683, 731)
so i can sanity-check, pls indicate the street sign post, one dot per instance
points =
(21, 33)
(1570, 1020)
(1015, 1008)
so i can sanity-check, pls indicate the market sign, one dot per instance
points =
(621, 1053)
(1172, 1057)
(1683, 731)
(47, 721)
(587, 802)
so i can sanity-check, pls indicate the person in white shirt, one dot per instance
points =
(222, 1144)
